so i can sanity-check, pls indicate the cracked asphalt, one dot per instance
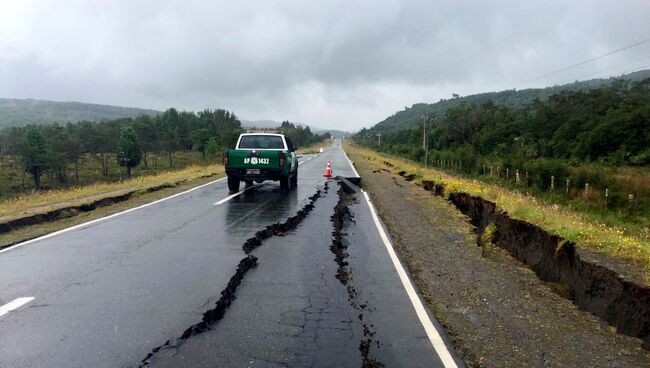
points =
(105, 295)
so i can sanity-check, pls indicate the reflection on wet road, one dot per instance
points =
(108, 293)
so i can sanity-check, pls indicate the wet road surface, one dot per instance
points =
(108, 294)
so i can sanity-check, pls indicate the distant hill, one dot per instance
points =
(19, 112)
(266, 124)
(410, 116)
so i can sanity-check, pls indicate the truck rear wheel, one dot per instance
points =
(233, 183)
(284, 183)
(294, 180)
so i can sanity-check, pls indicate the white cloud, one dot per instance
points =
(336, 63)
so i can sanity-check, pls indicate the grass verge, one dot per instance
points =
(145, 189)
(314, 148)
(35, 202)
(633, 250)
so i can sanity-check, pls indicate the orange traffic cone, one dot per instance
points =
(328, 170)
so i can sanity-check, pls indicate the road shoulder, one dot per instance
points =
(137, 198)
(497, 312)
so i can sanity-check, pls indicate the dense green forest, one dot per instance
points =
(19, 112)
(593, 142)
(609, 124)
(55, 148)
(410, 116)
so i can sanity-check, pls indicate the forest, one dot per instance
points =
(592, 146)
(57, 151)
(608, 124)
(410, 116)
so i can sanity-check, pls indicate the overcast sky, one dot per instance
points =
(337, 64)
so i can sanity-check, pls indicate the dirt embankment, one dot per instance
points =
(63, 210)
(592, 287)
(496, 309)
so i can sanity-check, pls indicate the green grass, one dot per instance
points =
(314, 148)
(43, 201)
(613, 235)
(14, 182)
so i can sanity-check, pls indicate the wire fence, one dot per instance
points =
(559, 188)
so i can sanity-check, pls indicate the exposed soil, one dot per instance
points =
(64, 210)
(496, 310)
(43, 220)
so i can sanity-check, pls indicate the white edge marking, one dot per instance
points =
(350, 162)
(432, 332)
(15, 304)
(105, 218)
(235, 194)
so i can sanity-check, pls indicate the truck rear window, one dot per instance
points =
(261, 142)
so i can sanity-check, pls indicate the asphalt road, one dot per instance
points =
(109, 293)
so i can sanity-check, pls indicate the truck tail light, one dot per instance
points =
(283, 158)
(225, 159)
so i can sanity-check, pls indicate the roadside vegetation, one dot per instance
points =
(577, 162)
(630, 246)
(59, 157)
(315, 147)
(44, 201)
(49, 172)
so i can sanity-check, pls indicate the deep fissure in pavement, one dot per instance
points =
(339, 247)
(215, 314)
(591, 286)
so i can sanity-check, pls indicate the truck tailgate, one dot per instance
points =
(259, 159)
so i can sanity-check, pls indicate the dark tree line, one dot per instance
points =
(301, 136)
(52, 148)
(609, 124)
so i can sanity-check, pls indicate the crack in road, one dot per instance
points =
(344, 274)
(215, 314)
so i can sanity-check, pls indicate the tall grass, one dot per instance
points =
(633, 247)
(28, 202)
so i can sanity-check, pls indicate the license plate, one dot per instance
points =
(253, 172)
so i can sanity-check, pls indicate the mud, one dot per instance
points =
(228, 294)
(592, 287)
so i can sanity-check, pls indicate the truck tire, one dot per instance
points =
(285, 184)
(294, 180)
(233, 183)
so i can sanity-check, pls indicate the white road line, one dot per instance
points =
(429, 327)
(105, 218)
(15, 304)
(350, 162)
(236, 194)
(302, 162)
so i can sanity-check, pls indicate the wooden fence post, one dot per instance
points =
(552, 182)
(568, 182)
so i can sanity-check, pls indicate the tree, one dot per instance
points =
(34, 155)
(200, 138)
(128, 150)
(212, 148)
(147, 136)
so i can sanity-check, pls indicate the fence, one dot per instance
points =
(558, 187)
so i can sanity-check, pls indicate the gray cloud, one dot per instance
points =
(340, 64)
